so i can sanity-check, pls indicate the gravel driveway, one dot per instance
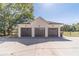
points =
(52, 46)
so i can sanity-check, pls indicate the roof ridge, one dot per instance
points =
(41, 18)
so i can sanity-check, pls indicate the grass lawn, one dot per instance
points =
(71, 34)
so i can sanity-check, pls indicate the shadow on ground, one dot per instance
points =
(31, 41)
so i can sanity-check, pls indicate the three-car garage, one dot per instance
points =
(39, 27)
(39, 32)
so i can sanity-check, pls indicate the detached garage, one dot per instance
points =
(39, 28)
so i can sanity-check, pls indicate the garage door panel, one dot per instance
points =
(25, 32)
(40, 32)
(52, 32)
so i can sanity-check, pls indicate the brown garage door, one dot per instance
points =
(40, 32)
(25, 32)
(52, 32)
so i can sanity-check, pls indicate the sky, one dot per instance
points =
(58, 12)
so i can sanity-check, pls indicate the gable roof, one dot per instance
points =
(41, 19)
(49, 22)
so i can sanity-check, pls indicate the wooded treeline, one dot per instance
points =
(73, 27)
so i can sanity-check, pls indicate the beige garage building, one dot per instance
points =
(39, 28)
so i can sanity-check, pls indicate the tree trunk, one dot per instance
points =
(8, 32)
(4, 33)
(70, 33)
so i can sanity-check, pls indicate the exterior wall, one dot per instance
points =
(24, 25)
(46, 31)
(53, 26)
(19, 32)
(59, 32)
(39, 23)
(33, 32)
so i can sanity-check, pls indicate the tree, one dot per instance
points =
(77, 26)
(73, 27)
(12, 14)
(66, 28)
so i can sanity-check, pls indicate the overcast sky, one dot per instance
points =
(64, 13)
